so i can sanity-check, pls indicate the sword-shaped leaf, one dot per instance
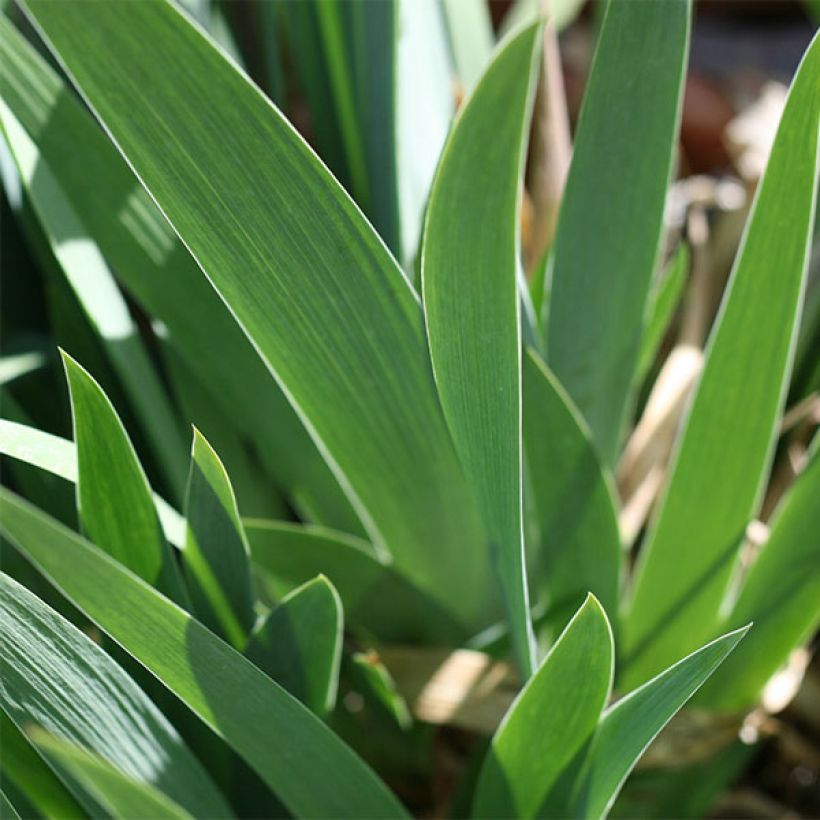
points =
(57, 678)
(727, 441)
(471, 302)
(299, 644)
(310, 282)
(310, 769)
(611, 219)
(216, 557)
(551, 719)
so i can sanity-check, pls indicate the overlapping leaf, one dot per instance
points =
(726, 444)
(57, 678)
(114, 500)
(216, 555)
(471, 302)
(299, 644)
(578, 548)
(314, 773)
(310, 282)
(609, 229)
(156, 268)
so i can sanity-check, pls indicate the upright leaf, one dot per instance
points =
(726, 444)
(579, 548)
(160, 273)
(626, 730)
(314, 773)
(609, 228)
(277, 237)
(57, 678)
(299, 644)
(550, 720)
(781, 596)
(121, 795)
(216, 555)
(471, 301)
(113, 497)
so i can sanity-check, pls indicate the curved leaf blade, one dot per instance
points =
(780, 595)
(580, 547)
(158, 270)
(314, 773)
(58, 456)
(726, 444)
(471, 303)
(114, 500)
(537, 739)
(609, 227)
(277, 236)
(121, 795)
(629, 726)
(57, 678)
(216, 557)
(299, 644)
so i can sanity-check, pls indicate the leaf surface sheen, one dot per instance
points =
(726, 444)
(471, 302)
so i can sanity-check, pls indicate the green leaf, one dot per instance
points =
(579, 546)
(24, 770)
(550, 720)
(726, 444)
(663, 301)
(471, 302)
(157, 270)
(113, 497)
(299, 644)
(7, 810)
(609, 228)
(121, 795)
(628, 727)
(57, 678)
(92, 283)
(781, 595)
(277, 236)
(376, 597)
(314, 773)
(58, 456)
(216, 557)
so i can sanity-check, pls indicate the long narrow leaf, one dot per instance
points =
(471, 302)
(121, 795)
(113, 496)
(537, 737)
(216, 555)
(611, 218)
(312, 771)
(628, 727)
(278, 237)
(579, 548)
(57, 678)
(781, 596)
(157, 269)
(299, 644)
(726, 445)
